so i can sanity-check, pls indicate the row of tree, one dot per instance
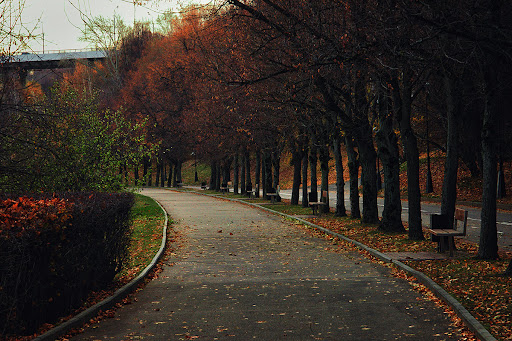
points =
(265, 75)
(246, 80)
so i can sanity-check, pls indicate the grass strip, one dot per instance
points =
(148, 220)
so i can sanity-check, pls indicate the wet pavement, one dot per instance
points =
(239, 273)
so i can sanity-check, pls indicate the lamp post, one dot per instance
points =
(428, 187)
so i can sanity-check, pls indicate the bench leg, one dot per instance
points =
(451, 242)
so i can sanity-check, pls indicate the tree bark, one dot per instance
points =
(340, 181)
(353, 170)
(243, 190)
(169, 178)
(257, 178)
(218, 173)
(248, 183)
(297, 167)
(179, 165)
(145, 169)
(368, 159)
(449, 194)
(267, 174)
(488, 246)
(162, 174)
(158, 170)
(136, 175)
(402, 106)
(213, 176)
(150, 173)
(324, 167)
(387, 144)
(276, 163)
(236, 174)
(305, 202)
(312, 169)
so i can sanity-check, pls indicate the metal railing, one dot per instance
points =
(58, 51)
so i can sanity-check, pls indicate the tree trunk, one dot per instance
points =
(145, 170)
(248, 183)
(179, 165)
(218, 182)
(324, 166)
(213, 175)
(276, 163)
(305, 202)
(340, 181)
(169, 178)
(387, 144)
(136, 175)
(150, 173)
(243, 189)
(488, 246)
(162, 174)
(158, 170)
(226, 171)
(353, 171)
(257, 178)
(312, 169)
(267, 176)
(368, 159)
(297, 166)
(449, 195)
(236, 174)
(402, 105)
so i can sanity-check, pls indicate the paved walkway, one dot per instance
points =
(240, 273)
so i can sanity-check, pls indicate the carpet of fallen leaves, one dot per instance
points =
(478, 284)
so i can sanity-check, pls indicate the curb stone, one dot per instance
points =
(107, 303)
(473, 324)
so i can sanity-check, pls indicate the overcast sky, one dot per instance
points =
(60, 19)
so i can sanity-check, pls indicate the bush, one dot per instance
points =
(55, 251)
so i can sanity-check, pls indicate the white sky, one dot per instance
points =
(60, 19)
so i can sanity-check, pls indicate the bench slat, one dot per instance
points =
(445, 232)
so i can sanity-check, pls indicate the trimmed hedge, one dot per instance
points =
(55, 250)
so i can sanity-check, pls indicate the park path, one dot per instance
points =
(240, 273)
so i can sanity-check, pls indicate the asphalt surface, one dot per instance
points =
(504, 219)
(239, 273)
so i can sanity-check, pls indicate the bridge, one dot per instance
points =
(52, 59)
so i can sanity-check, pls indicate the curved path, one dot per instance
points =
(240, 273)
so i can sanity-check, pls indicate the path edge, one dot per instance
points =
(473, 324)
(107, 303)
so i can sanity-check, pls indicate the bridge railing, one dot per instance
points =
(57, 51)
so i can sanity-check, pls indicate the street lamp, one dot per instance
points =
(428, 187)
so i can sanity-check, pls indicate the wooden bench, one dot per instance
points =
(203, 185)
(273, 196)
(445, 235)
(252, 193)
(179, 184)
(316, 204)
(225, 187)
